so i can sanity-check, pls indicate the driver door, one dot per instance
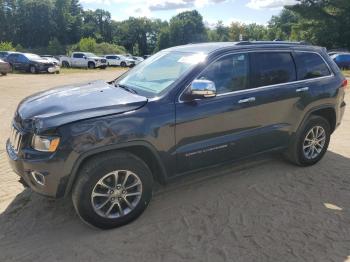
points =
(217, 129)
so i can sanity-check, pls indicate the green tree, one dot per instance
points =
(281, 26)
(187, 27)
(163, 39)
(97, 24)
(236, 30)
(55, 47)
(6, 46)
(323, 22)
(86, 45)
(34, 22)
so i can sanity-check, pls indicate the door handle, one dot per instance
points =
(303, 89)
(246, 100)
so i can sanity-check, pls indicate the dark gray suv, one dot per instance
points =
(183, 109)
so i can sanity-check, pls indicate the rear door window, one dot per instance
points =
(78, 55)
(21, 59)
(272, 68)
(310, 65)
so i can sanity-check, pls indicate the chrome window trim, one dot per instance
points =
(269, 86)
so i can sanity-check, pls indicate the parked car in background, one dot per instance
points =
(52, 59)
(138, 59)
(83, 60)
(342, 60)
(185, 109)
(333, 53)
(119, 60)
(4, 54)
(31, 63)
(4, 67)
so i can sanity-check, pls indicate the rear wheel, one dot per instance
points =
(311, 142)
(112, 190)
(123, 64)
(65, 64)
(32, 69)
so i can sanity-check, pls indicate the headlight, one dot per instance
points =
(45, 144)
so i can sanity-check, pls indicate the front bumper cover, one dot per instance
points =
(24, 168)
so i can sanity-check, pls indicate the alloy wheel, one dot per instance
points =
(116, 194)
(314, 142)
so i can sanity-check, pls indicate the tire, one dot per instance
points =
(103, 67)
(123, 64)
(91, 65)
(33, 70)
(296, 152)
(3, 73)
(65, 64)
(89, 181)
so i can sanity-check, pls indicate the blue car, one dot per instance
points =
(342, 60)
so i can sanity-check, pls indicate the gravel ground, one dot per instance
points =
(263, 209)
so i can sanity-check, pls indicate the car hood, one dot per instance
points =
(62, 105)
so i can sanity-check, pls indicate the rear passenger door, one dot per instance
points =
(78, 60)
(286, 84)
(314, 77)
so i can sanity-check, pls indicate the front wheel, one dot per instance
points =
(311, 142)
(91, 65)
(112, 190)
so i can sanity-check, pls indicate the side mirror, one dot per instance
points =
(84, 57)
(202, 89)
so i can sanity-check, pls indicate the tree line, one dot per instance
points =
(56, 26)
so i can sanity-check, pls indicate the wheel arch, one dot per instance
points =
(326, 111)
(141, 149)
(91, 62)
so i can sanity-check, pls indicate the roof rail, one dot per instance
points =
(276, 42)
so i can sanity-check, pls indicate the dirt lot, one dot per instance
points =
(260, 210)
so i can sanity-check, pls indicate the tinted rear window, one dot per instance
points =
(272, 68)
(310, 65)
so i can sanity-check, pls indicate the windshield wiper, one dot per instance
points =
(129, 89)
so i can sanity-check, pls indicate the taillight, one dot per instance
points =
(345, 83)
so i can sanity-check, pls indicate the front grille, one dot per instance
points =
(15, 139)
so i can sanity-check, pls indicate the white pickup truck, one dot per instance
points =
(83, 60)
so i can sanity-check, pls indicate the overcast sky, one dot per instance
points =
(246, 11)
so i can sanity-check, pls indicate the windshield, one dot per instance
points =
(90, 55)
(161, 70)
(33, 57)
